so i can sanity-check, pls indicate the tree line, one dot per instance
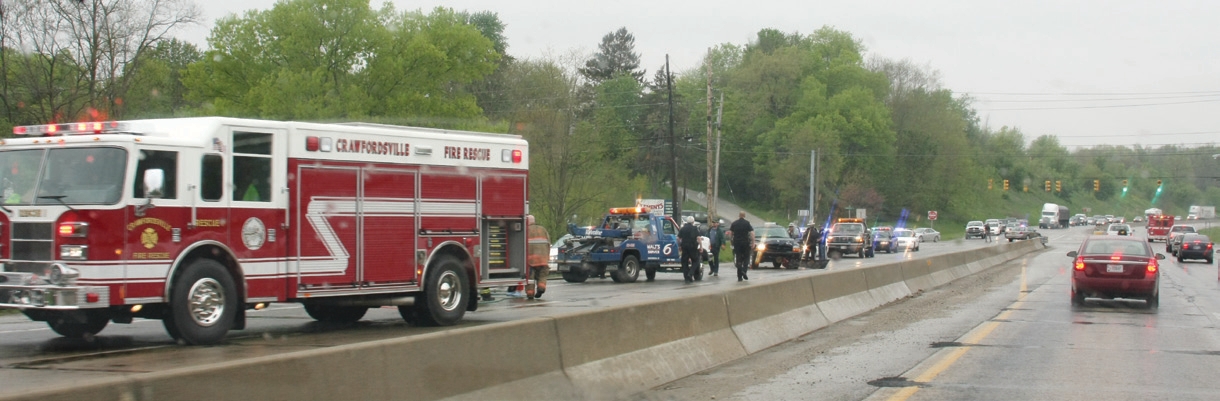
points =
(888, 136)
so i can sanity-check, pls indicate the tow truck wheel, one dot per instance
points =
(445, 295)
(203, 303)
(80, 324)
(336, 314)
(575, 276)
(628, 271)
(650, 273)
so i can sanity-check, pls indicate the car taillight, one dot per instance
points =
(1152, 266)
(1079, 263)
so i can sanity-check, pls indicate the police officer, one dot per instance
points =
(538, 250)
(813, 242)
(716, 235)
(688, 241)
(742, 235)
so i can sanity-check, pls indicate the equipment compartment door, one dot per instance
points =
(328, 228)
(388, 226)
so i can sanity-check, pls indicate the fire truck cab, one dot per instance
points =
(193, 221)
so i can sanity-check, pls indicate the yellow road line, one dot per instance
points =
(974, 337)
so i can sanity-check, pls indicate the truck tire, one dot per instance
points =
(650, 272)
(575, 276)
(79, 324)
(202, 304)
(336, 314)
(445, 296)
(628, 271)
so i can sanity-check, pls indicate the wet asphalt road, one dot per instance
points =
(32, 356)
(1009, 333)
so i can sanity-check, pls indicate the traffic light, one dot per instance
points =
(989, 183)
(1005, 185)
(1158, 186)
(1048, 185)
(1026, 187)
(1124, 186)
(1058, 186)
(1096, 185)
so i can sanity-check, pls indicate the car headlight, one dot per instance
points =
(761, 246)
(859, 239)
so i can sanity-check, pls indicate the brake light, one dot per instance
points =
(1152, 266)
(1079, 265)
(1209, 246)
(517, 154)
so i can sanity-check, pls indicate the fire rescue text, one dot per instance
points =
(454, 152)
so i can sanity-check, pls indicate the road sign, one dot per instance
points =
(931, 215)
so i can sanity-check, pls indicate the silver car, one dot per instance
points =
(927, 234)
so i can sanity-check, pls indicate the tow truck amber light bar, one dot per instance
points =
(82, 128)
(628, 210)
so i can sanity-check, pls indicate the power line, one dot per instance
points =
(1101, 107)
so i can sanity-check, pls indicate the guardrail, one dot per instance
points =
(604, 354)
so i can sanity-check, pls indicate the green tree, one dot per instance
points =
(157, 89)
(615, 56)
(320, 59)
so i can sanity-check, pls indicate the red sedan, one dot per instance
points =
(1116, 267)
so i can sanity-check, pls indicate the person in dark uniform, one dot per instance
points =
(688, 241)
(716, 235)
(813, 242)
(741, 234)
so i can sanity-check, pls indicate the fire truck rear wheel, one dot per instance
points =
(203, 303)
(445, 295)
(336, 314)
(85, 324)
(628, 271)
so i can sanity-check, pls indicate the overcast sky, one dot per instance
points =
(1092, 72)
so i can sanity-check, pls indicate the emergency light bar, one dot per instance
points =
(81, 128)
(628, 210)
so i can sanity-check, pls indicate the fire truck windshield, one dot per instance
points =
(73, 176)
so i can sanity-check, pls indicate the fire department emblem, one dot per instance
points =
(148, 238)
(253, 233)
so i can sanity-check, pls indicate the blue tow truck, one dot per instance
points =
(626, 241)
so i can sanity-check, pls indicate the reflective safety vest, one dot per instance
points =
(538, 246)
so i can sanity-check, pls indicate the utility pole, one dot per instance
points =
(711, 205)
(716, 177)
(813, 183)
(673, 153)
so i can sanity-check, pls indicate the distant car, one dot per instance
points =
(995, 226)
(1115, 267)
(1089, 220)
(1192, 217)
(881, 241)
(775, 246)
(1171, 244)
(555, 249)
(1118, 229)
(974, 229)
(1137, 219)
(1177, 217)
(904, 240)
(1196, 246)
(1022, 233)
(927, 234)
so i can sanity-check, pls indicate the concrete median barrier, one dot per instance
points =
(885, 283)
(769, 314)
(517, 356)
(612, 353)
(916, 275)
(842, 294)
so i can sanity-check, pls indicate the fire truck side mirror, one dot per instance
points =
(154, 183)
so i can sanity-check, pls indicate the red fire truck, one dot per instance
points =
(1158, 227)
(193, 221)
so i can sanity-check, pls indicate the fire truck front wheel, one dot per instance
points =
(445, 295)
(203, 303)
(79, 324)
